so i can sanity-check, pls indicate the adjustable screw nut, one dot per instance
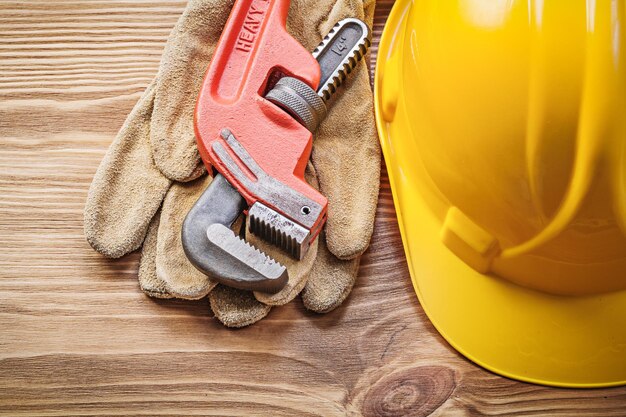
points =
(299, 100)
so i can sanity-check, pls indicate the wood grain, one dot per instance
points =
(79, 338)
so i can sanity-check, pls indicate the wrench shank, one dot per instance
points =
(340, 52)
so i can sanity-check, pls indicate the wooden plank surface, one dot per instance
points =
(79, 338)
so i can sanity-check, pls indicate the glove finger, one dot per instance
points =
(347, 160)
(236, 308)
(369, 8)
(342, 9)
(181, 278)
(127, 189)
(345, 153)
(354, 196)
(186, 57)
(330, 282)
(310, 20)
(298, 270)
(148, 279)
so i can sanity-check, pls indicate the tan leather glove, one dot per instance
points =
(152, 174)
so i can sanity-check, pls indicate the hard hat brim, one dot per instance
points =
(513, 331)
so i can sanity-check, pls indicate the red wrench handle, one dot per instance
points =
(254, 46)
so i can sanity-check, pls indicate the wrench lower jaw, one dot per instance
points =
(229, 260)
(213, 248)
(242, 265)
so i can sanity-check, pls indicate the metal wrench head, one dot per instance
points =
(283, 214)
(214, 249)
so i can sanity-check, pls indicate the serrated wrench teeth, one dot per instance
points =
(275, 228)
(340, 52)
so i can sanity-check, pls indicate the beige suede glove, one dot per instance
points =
(152, 174)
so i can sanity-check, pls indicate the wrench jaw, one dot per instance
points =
(216, 251)
(278, 230)
(279, 214)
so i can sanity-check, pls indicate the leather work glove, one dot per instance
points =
(152, 174)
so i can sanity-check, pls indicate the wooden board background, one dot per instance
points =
(77, 337)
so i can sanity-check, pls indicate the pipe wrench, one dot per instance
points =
(262, 97)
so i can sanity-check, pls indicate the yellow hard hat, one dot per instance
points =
(503, 125)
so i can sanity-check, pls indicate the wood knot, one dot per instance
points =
(416, 392)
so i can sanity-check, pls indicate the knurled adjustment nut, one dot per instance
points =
(299, 100)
